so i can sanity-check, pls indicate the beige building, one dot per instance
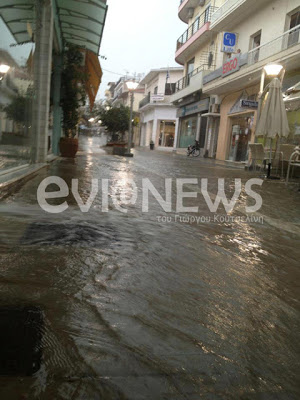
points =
(197, 52)
(217, 96)
(158, 115)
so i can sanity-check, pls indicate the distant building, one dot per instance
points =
(157, 114)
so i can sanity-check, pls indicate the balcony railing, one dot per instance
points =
(224, 9)
(288, 39)
(186, 80)
(196, 26)
(145, 101)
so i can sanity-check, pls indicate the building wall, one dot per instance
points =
(226, 124)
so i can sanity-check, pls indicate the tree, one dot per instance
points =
(19, 110)
(116, 120)
(73, 89)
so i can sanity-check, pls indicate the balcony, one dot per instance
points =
(184, 9)
(284, 49)
(156, 99)
(196, 34)
(192, 82)
(232, 12)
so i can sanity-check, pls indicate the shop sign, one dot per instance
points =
(229, 42)
(249, 104)
(157, 97)
(231, 66)
(194, 108)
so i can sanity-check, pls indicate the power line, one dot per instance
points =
(111, 72)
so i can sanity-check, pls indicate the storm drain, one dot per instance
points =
(50, 234)
(20, 340)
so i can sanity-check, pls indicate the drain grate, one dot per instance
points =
(20, 337)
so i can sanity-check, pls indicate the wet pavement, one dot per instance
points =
(133, 307)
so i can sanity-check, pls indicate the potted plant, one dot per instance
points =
(73, 96)
(151, 145)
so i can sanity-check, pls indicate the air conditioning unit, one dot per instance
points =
(201, 3)
(190, 13)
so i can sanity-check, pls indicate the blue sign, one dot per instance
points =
(229, 42)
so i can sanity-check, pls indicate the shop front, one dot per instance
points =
(237, 125)
(241, 132)
(167, 133)
(191, 125)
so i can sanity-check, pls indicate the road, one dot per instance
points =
(139, 307)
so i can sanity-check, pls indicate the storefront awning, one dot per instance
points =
(94, 71)
(81, 21)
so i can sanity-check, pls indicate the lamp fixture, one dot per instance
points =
(273, 70)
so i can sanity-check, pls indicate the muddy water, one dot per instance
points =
(135, 308)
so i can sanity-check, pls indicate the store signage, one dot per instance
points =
(231, 66)
(249, 103)
(157, 97)
(229, 42)
(194, 108)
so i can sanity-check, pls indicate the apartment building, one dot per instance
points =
(122, 94)
(267, 31)
(159, 122)
(118, 94)
(196, 51)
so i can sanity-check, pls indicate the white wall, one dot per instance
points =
(272, 20)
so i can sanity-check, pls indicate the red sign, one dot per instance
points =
(231, 66)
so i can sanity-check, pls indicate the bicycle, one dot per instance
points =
(194, 150)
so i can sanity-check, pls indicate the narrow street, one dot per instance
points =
(139, 308)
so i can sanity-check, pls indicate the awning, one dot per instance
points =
(94, 71)
(81, 21)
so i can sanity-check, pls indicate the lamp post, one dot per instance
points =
(131, 85)
(272, 71)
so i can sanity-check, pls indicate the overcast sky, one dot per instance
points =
(139, 35)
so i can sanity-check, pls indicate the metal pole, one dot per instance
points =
(130, 123)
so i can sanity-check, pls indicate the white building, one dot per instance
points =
(214, 83)
(158, 115)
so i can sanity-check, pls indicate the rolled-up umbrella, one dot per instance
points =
(273, 120)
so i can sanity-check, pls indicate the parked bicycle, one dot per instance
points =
(194, 150)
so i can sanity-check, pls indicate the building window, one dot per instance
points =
(156, 90)
(294, 35)
(189, 69)
(255, 42)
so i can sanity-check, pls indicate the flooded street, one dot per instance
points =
(136, 307)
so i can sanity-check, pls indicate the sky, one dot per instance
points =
(139, 35)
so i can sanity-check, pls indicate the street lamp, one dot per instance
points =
(91, 119)
(131, 85)
(4, 68)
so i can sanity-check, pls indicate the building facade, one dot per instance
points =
(159, 122)
(197, 51)
(267, 32)
(263, 32)
(34, 35)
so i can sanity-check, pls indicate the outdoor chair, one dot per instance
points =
(258, 154)
(294, 161)
(285, 152)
